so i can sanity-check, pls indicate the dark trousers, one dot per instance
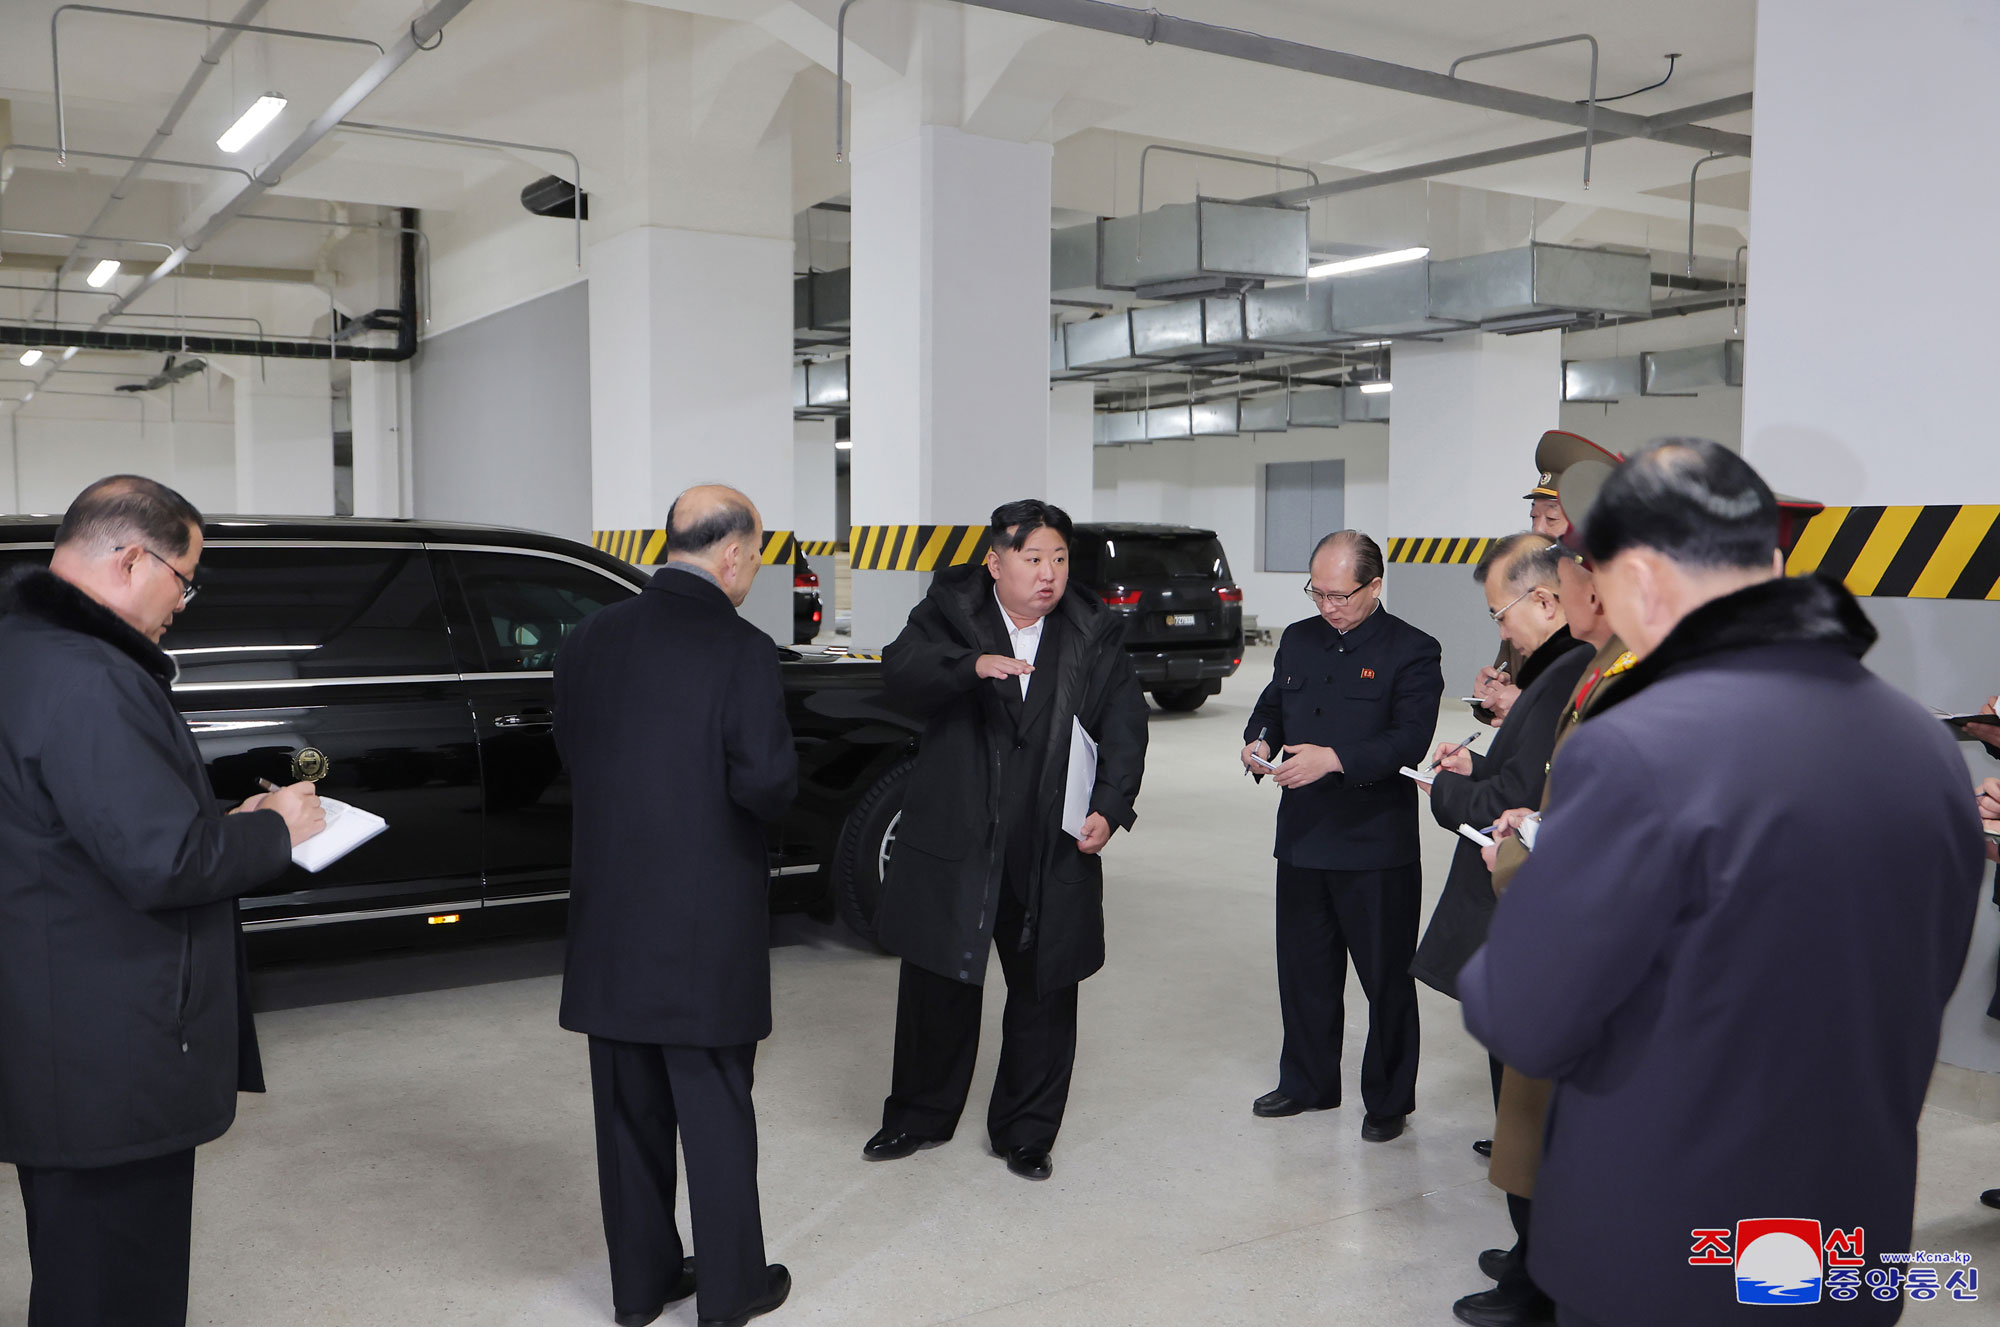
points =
(641, 1096)
(1323, 918)
(109, 1247)
(937, 1041)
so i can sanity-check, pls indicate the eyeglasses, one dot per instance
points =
(188, 588)
(1497, 613)
(1325, 597)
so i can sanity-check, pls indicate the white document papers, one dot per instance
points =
(347, 828)
(1082, 779)
(1476, 836)
(1423, 776)
(1529, 828)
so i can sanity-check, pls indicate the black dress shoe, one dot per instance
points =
(1381, 1128)
(1030, 1163)
(1276, 1105)
(894, 1145)
(1484, 1147)
(1491, 1308)
(778, 1287)
(679, 1291)
(1493, 1262)
(1991, 1197)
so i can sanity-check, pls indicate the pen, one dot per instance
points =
(1253, 741)
(268, 786)
(1454, 751)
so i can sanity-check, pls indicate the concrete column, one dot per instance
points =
(815, 496)
(690, 382)
(1920, 433)
(1072, 454)
(951, 287)
(284, 439)
(381, 451)
(1464, 419)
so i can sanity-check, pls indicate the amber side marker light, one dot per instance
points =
(442, 919)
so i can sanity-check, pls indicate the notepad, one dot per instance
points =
(1483, 840)
(1082, 779)
(1423, 776)
(1528, 829)
(347, 828)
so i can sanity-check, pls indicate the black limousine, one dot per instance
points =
(406, 666)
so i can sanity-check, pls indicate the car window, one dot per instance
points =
(524, 607)
(1161, 557)
(268, 613)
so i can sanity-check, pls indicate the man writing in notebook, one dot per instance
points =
(1002, 661)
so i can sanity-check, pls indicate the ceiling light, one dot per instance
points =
(101, 273)
(1364, 345)
(1376, 388)
(844, 445)
(1345, 265)
(30, 358)
(69, 354)
(251, 123)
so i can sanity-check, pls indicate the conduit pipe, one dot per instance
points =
(1151, 148)
(1713, 156)
(1590, 102)
(107, 156)
(575, 166)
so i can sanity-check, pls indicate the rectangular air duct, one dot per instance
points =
(1602, 380)
(1206, 246)
(1541, 278)
(1119, 427)
(1216, 419)
(822, 305)
(1186, 329)
(1364, 407)
(1296, 315)
(1685, 372)
(1170, 421)
(1391, 301)
(798, 387)
(1100, 343)
(826, 384)
(1265, 414)
(1317, 408)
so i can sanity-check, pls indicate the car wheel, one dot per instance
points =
(1182, 699)
(861, 862)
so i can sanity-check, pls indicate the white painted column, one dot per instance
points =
(1072, 455)
(380, 449)
(1921, 432)
(815, 481)
(1464, 419)
(951, 287)
(284, 439)
(690, 383)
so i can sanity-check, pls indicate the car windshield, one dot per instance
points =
(1163, 557)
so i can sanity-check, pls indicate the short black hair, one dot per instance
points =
(1367, 554)
(730, 519)
(1013, 522)
(1531, 559)
(1691, 499)
(121, 510)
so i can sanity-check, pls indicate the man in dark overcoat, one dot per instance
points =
(670, 714)
(1001, 661)
(1733, 943)
(125, 1029)
(1353, 698)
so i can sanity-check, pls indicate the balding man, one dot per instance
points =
(125, 1029)
(1354, 697)
(671, 717)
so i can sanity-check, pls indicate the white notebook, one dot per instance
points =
(347, 828)
(1082, 779)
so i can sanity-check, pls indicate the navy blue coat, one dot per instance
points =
(1731, 948)
(670, 713)
(1372, 695)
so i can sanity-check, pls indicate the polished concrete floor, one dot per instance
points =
(425, 1153)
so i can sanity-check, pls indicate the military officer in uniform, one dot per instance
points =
(1354, 697)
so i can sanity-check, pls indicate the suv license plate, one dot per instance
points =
(1181, 619)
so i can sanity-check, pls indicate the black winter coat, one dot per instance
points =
(125, 1030)
(1371, 695)
(1508, 774)
(670, 713)
(1732, 948)
(944, 881)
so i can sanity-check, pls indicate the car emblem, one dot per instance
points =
(310, 766)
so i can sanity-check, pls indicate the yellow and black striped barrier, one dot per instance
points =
(1942, 552)
(1441, 550)
(916, 547)
(819, 548)
(648, 548)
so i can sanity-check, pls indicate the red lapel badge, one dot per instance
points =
(1367, 673)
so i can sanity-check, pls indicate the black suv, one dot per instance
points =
(1183, 612)
(406, 665)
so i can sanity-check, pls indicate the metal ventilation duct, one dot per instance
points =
(822, 305)
(1208, 246)
(1364, 407)
(1186, 329)
(1100, 343)
(1299, 316)
(1216, 419)
(1391, 301)
(1602, 380)
(1540, 279)
(1684, 372)
(1168, 422)
(1120, 427)
(1317, 408)
(1265, 414)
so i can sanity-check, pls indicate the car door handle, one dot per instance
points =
(521, 721)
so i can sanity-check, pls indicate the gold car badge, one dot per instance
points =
(310, 766)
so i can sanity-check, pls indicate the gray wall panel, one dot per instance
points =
(501, 417)
(1446, 602)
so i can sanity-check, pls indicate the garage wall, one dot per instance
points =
(501, 418)
(44, 462)
(1218, 483)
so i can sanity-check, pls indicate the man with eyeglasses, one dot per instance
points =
(125, 1026)
(1353, 698)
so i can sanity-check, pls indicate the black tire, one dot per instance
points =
(1182, 700)
(866, 839)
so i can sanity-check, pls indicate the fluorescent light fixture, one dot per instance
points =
(1346, 265)
(1376, 388)
(1364, 345)
(251, 123)
(30, 358)
(102, 273)
(844, 445)
(69, 354)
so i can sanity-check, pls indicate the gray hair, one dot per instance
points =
(1530, 559)
(1366, 552)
